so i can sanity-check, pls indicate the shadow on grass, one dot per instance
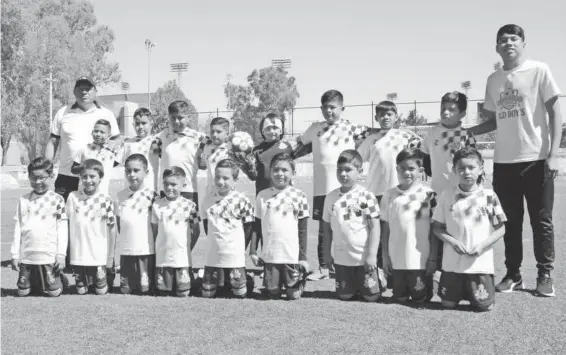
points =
(6, 263)
(319, 294)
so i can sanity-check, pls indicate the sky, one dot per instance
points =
(366, 49)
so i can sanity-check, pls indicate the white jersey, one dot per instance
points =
(348, 216)
(74, 128)
(41, 229)
(106, 156)
(441, 143)
(134, 210)
(469, 218)
(174, 220)
(89, 219)
(381, 150)
(226, 216)
(328, 141)
(518, 98)
(212, 155)
(180, 149)
(408, 214)
(280, 211)
(143, 146)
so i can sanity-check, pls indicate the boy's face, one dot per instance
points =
(409, 172)
(272, 133)
(386, 118)
(178, 121)
(347, 174)
(135, 173)
(172, 186)
(468, 171)
(142, 125)
(39, 181)
(218, 134)
(332, 110)
(224, 180)
(281, 174)
(450, 114)
(90, 179)
(510, 47)
(100, 134)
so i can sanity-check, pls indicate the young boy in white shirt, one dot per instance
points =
(216, 149)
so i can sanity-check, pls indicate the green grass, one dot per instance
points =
(317, 324)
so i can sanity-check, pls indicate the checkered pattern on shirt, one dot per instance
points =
(97, 207)
(397, 139)
(342, 132)
(454, 140)
(138, 145)
(189, 138)
(233, 208)
(358, 202)
(178, 211)
(49, 205)
(214, 154)
(289, 200)
(140, 201)
(477, 204)
(103, 154)
(421, 202)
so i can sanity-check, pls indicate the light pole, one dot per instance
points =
(179, 68)
(285, 64)
(466, 86)
(392, 96)
(148, 46)
(228, 78)
(50, 79)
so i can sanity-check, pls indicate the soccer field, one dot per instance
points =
(316, 324)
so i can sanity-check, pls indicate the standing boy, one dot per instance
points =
(215, 150)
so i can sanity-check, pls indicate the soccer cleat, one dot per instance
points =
(321, 274)
(545, 285)
(509, 284)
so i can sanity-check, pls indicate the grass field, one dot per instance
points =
(317, 324)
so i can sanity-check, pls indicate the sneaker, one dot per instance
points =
(545, 286)
(321, 274)
(508, 284)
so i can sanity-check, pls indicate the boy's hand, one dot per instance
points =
(329, 260)
(387, 267)
(459, 247)
(116, 269)
(370, 263)
(16, 264)
(430, 267)
(476, 250)
(256, 260)
(110, 263)
(305, 266)
(59, 264)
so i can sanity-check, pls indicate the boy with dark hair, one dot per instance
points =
(215, 149)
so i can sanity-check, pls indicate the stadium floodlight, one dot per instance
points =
(466, 86)
(179, 68)
(149, 46)
(125, 86)
(497, 66)
(281, 63)
(392, 96)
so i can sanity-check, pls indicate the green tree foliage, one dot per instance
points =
(412, 119)
(269, 89)
(160, 101)
(39, 36)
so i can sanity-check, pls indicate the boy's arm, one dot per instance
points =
(489, 125)
(76, 168)
(118, 223)
(154, 228)
(303, 237)
(374, 234)
(52, 146)
(62, 242)
(112, 237)
(195, 228)
(439, 229)
(15, 249)
(201, 161)
(248, 231)
(205, 225)
(249, 166)
(498, 232)
(555, 125)
(327, 235)
(433, 253)
(256, 236)
(385, 233)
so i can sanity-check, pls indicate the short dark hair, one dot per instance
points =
(286, 157)
(469, 152)
(332, 95)
(142, 111)
(92, 164)
(103, 122)
(41, 163)
(229, 163)
(351, 156)
(174, 171)
(220, 121)
(410, 154)
(456, 97)
(385, 106)
(137, 157)
(271, 116)
(510, 29)
(179, 106)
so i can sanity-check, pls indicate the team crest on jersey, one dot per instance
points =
(481, 293)
(235, 274)
(419, 285)
(509, 99)
(144, 280)
(49, 277)
(185, 278)
(100, 274)
(443, 291)
(22, 279)
(369, 282)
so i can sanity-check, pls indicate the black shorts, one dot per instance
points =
(282, 275)
(41, 276)
(410, 283)
(176, 279)
(193, 196)
(353, 279)
(225, 279)
(86, 276)
(318, 207)
(136, 273)
(479, 289)
(65, 184)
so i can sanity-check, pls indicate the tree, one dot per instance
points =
(412, 119)
(39, 36)
(160, 101)
(269, 89)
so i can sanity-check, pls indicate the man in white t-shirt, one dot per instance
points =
(521, 102)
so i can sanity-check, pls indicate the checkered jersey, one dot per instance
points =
(470, 217)
(134, 210)
(226, 216)
(381, 150)
(348, 215)
(441, 143)
(89, 221)
(143, 146)
(180, 149)
(328, 141)
(212, 155)
(408, 214)
(40, 232)
(174, 220)
(106, 156)
(279, 211)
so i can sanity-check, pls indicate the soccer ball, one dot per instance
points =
(241, 142)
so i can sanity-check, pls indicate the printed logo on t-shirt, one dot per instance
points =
(481, 293)
(510, 104)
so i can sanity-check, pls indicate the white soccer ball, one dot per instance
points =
(241, 142)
